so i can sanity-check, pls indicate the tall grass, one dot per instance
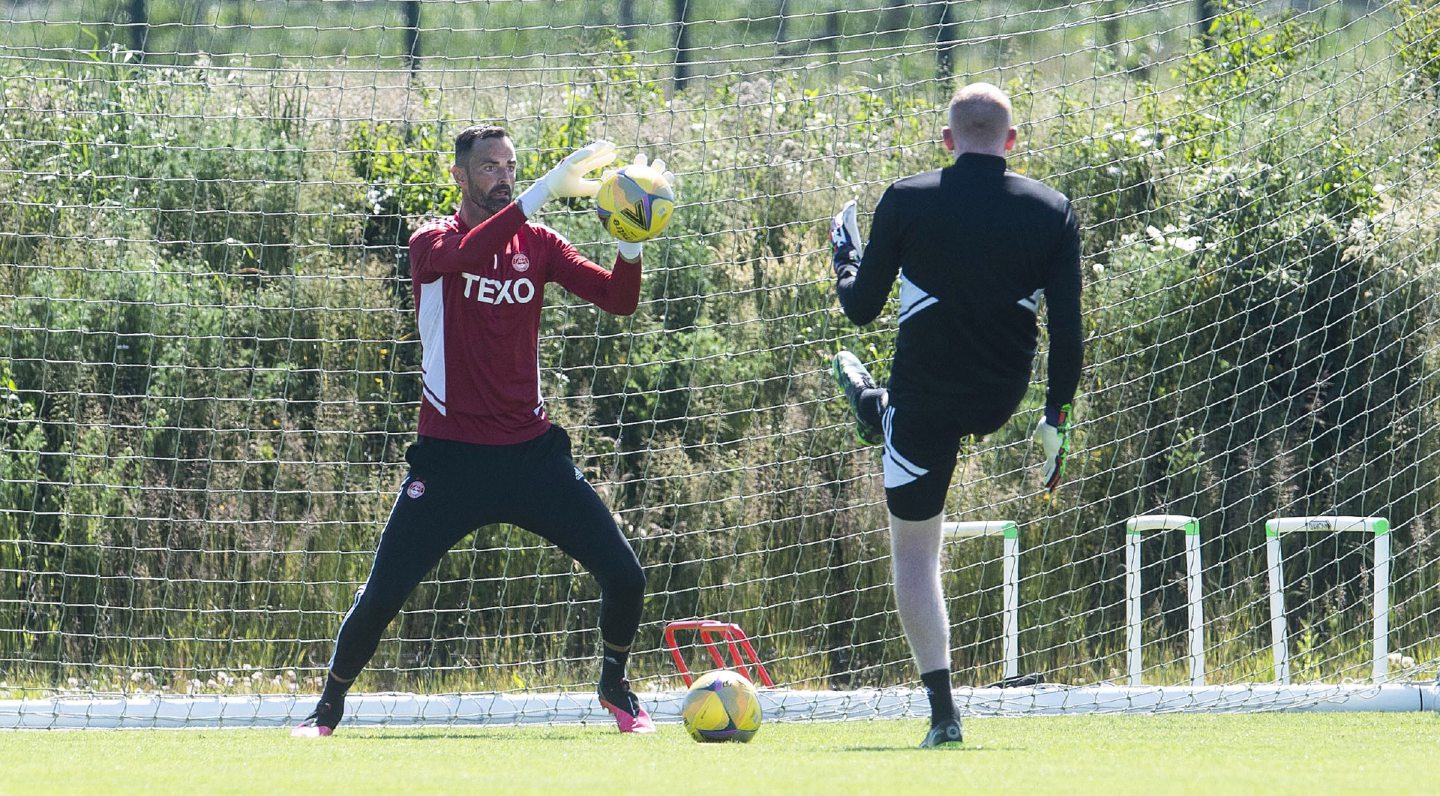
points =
(210, 371)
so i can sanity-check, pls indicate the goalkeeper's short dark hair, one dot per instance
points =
(465, 141)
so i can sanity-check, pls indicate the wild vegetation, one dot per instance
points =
(210, 370)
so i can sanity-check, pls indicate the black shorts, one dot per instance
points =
(922, 440)
(454, 488)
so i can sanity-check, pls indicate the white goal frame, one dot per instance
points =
(1135, 528)
(1379, 528)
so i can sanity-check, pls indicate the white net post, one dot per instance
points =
(1135, 528)
(1380, 621)
(1379, 528)
(1133, 662)
(1010, 579)
(1279, 640)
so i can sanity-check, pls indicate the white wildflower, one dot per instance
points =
(1184, 244)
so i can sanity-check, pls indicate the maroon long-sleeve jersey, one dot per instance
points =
(478, 296)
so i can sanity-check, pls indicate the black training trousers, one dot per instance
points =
(454, 488)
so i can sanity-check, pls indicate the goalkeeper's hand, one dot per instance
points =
(845, 246)
(568, 178)
(631, 251)
(1053, 431)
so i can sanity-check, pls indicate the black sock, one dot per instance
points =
(332, 701)
(942, 705)
(612, 665)
(872, 405)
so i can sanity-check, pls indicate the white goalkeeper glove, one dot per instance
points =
(568, 178)
(631, 252)
(845, 246)
(1053, 431)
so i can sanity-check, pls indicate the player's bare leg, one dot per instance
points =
(915, 556)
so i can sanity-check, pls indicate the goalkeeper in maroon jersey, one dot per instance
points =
(975, 247)
(486, 452)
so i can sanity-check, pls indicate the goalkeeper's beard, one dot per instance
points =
(494, 201)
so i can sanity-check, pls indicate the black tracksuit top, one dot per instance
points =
(975, 247)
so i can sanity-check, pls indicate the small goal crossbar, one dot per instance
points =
(1135, 528)
(1010, 579)
(708, 631)
(1379, 527)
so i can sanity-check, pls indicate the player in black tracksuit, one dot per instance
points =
(976, 248)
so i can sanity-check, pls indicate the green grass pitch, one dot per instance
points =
(1255, 753)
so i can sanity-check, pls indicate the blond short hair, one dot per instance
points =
(980, 116)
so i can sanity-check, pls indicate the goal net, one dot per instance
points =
(209, 370)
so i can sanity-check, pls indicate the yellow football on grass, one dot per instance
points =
(721, 706)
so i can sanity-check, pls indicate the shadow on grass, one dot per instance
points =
(496, 734)
(944, 750)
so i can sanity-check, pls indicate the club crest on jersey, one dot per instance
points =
(520, 262)
(415, 490)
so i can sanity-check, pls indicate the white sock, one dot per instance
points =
(915, 559)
